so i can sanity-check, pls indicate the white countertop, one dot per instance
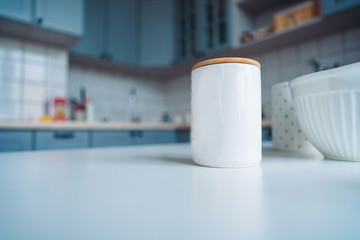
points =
(92, 126)
(156, 192)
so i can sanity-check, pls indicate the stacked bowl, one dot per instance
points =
(327, 105)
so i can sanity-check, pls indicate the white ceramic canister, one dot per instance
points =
(286, 131)
(226, 112)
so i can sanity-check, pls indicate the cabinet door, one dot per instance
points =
(183, 136)
(12, 140)
(333, 6)
(122, 31)
(111, 138)
(62, 139)
(213, 25)
(63, 16)
(92, 43)
(155, 137)
(18, 10)
(157, 32)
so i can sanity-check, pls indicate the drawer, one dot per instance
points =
(62, 139)
(112, 138)
(183, 136)
(15, 140)
(155, 137)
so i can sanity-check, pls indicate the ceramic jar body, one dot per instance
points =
(226, 115)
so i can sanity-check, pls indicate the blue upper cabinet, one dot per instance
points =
(334, 6)
(121, 45)
(110, 31)
(18, 10)
(63, 16)
(92, 43)
(202, 27)
(157, 32)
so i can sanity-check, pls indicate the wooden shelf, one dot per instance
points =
(311, 30)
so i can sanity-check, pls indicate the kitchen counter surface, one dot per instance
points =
(156, 192)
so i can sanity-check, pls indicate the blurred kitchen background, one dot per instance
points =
(130, 60)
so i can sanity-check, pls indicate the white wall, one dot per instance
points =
(29, 74)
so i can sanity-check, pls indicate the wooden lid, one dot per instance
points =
(226, 60)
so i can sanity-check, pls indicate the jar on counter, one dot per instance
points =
(226, 113)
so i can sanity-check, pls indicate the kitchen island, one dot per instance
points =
(156, 192)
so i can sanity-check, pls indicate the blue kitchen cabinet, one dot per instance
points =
(61, 139)
(157, 42)
(112, 138)
(182, 136)
(15, 140)
(203, 27)
(145, 137)
(18, 10)
(92, 43)
(122, 18)
(62, 16)
(110, 31)
(334, 6)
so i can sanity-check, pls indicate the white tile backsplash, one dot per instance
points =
(352, 38)
(10, 68)
(331, 44)
(308, 50)
(110, 93)
(25, 77)
(10, 90)
(35, 72)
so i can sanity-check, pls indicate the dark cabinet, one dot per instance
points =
(109, 31)
(92, 43)
(26, 140)
(334, 6)
(155, 137)
(15, 140)
(111, 138)
(157, 35)
(203, 27)
(18, 10)
(48, 21)
(64, 16)
(61, 139)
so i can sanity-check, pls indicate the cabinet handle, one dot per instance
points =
(39, 21)
(64, 135)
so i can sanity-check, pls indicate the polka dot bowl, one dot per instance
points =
(287, 133)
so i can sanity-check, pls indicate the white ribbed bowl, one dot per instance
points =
(327, 104)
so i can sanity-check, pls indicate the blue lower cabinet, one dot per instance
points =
(111, 138)
(335, 6)
(15, 140)
(62, 139)
(155, 137)
(182, 136)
